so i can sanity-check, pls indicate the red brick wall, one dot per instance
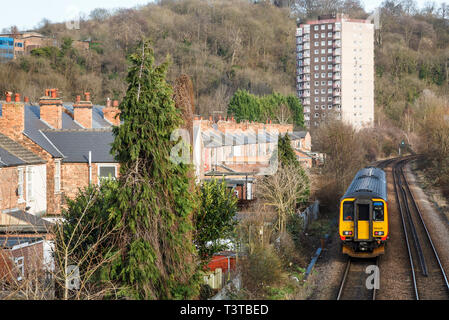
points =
(9, 178)
(76, 175)
(33, 260)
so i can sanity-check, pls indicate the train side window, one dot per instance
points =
(348, 211)
(363, 212)
(378, 212)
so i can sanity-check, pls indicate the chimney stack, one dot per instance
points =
(51, 108)
(112, 114)
(82, 111)
(12, 120)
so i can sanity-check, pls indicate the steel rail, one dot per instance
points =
(407, 242)
(426, 230)
(343, 281)
(374, 289)
(416, 240)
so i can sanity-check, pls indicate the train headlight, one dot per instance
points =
(378, 233)
(347, 233)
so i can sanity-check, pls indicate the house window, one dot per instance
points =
(20, 268)
(106, 171)
(57, 176)
(29, 182)
(20, 185)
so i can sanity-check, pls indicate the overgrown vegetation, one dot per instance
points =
(274, 254)
(215, 220)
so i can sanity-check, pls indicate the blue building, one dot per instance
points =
(6, 49)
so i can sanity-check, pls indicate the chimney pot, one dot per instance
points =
(78, 98)
(26, 99)
(17, 97)
(87, 94)
(108, 103)
(8, 96)
(47, 92)
(115, 103)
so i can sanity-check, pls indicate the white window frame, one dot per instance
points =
(20, 267)
(29, 183)
(20, 184)
(57, 177)
(101, 165)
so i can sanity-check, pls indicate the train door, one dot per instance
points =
(362, 220)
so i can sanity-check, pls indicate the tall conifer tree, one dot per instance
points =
(155, 205)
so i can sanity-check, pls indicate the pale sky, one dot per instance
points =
(27, 14)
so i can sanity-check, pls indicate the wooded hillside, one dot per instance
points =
(234, 44)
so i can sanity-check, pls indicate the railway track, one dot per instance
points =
(428, 276)
(353, 284)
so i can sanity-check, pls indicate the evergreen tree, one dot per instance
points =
(246, 106)
(286, 154)
(287, 157)
(155, 202)
(215, 220)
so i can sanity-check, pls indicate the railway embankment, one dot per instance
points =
(435, 219)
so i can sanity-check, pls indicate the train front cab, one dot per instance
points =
(363, 226)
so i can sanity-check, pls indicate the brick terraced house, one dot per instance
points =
(71, 141)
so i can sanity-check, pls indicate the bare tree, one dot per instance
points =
(281, 192)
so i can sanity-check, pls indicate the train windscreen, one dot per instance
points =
(378, 211)
(363, 210)
(348, 211)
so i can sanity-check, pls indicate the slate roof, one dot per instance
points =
(72, 142)
(297, 135)
(76, 144)
(16, 154)
(33, 130)
(7, 159)
(7, 242)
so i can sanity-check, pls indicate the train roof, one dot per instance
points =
(368, 182)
